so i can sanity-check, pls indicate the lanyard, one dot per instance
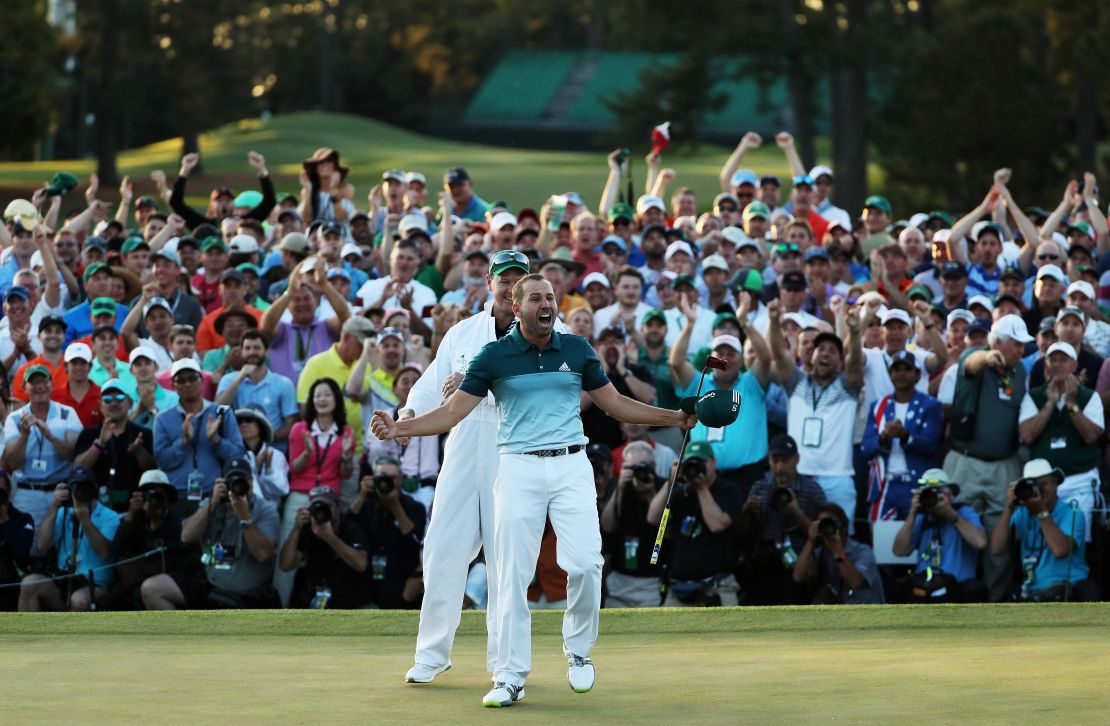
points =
(176, 300)
(814, 396)
(304, 344)
(321, 454)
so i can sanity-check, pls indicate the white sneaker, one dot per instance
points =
(503, 694)
(580, 672)
(425, 674)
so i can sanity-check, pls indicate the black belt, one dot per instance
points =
(556, 452)
(48, 487)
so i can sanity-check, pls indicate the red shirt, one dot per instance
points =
(58, 376)
(618, 457)
(208, 293)
(88, 408)
(591, 260)
(820, 226)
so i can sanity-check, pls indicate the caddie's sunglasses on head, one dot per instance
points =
(726, 208)
(115, 397)
(798, 180)
(783, 248)
(504, 256)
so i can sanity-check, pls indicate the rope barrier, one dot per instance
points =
(58, 578)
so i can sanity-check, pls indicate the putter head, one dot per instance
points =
(712, 361)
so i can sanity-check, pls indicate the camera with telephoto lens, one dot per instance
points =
(81, 491)
(929, 498)
(320, 511)
(643, 473)
(1025, 490)
(828, 528)
(693, 468)
(238, 485)
(383, 484)
(781, 497)
(154, 498)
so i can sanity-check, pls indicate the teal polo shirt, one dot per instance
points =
(537, 391)
(744, 441)
(660, 371)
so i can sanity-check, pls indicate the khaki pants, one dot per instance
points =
(983, 486)
(626, 591)
(727, 589)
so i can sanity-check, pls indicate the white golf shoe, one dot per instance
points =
(502, 695)
(580, 672)
(425, 674)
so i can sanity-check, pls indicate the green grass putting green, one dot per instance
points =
(940, 664)
(524, 177)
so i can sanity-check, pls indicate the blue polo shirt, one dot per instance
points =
(744, 441)
(1050, 570)
(274, 394)
(178, 459)
(79, 322)
(941, 545)
(106, 521)
(537, 391)
(42, 464)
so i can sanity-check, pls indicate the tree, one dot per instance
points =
(27, 80)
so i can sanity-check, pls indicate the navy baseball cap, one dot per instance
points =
(953, 269)
(782, 445)
(902, 356)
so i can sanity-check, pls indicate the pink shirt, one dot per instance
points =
(324, 467)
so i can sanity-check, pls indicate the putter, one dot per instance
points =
(688, 403)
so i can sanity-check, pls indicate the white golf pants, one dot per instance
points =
(529, 490)
(461, 523)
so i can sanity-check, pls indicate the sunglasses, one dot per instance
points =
(116, 397)
(186, 378)
(727, 208)
(504, 256)
(786, 247)
(1048, 257)
(800, 180)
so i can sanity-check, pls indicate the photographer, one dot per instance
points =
(1051, 534)
(237, 532)
(147, 525)
(394, 525)
(632, 581)
(17, 532)
(948, 537)
(81, 532)
(601, 461)
(843, 569)
(332, 549)
(775, 521)
(703, 551)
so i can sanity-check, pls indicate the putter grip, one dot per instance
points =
(659, 536)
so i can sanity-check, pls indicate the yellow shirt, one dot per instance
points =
(329, 365)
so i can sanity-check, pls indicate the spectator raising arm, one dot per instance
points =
(612, 185)
(957, 250)
(785, 142)
(354, 388)
(854, 359)
(1062, 209)
(80, 222)
(652, 161)
(750, 142)
(681, 370)
(1031, 239)
(662, 182)
(782, 364)
(53, 293)
(1098, 219)
(174, 226)
(761, 366)
(445, 257)
(126, 192)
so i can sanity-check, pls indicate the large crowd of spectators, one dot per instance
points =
(186, 393)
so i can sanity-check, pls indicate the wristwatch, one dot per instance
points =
(244, 523)
(1074, 408)
(1043, 514)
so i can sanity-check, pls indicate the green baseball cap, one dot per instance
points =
(724, 317)
(63, 182)
(102, 306)
(654, 315)
(684, 280)
(1082, 228)
(756, 209)
(95, 268)
(212, 243)
(920, 291)
(699, 450)
(36, 370)
(877, 201)
(132, 244)
(748, 279)
(621, 210)
(249, 267)
(718, 408)
(507, 260)
(942, 216)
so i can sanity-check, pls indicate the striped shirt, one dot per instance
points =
(820, 421)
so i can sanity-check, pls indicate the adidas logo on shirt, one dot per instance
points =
(564, 367)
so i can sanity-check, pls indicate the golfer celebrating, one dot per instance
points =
(462, 515)
(536, 375)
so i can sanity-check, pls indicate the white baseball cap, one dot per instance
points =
(730, 340)
(78, 351)
(141, 351)
(501, 220)
(734, 236)
(350, 249)
(981, 300)
(596, 277)
(1012, 327)
(960, 314)
(410, 222)
(941, 235)
(918, 219)
(714, 262)
(798, 319)
(185, 364)
(819, 170)
(895, 314)
(676, 247)
(869, 296)
(1062, 347)
(649, 201)
(1054, 272)
(242, 244)
(1083, 287)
